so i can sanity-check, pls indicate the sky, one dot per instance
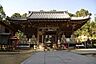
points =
(23, 6)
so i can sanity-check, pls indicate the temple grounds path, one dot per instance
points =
(58, 57)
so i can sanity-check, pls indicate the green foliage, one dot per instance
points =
(83, 30)
(89, 30)
(2, 13)
(16, 15)
(19, 34)
(82, 12)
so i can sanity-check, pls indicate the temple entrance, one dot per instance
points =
(47, 36)
(49, 40)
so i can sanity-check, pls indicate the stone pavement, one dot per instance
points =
(58, 57)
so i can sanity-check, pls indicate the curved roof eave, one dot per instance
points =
(14, 19)
(80, 18)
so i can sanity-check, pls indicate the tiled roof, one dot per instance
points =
(48, 14)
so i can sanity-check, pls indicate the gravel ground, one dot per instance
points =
(13, 58)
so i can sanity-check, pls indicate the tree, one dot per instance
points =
(16, 15)
(85, 29)
(2, 13)
(82, 12)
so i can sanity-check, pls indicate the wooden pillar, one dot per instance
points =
(37, 38)
(42, 38)
(56, 39)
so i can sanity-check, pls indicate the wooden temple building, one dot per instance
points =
(48, 26)
(5, 32)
